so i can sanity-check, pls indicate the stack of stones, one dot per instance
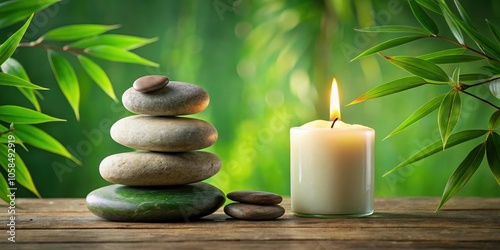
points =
(254, 205)
(160, 181)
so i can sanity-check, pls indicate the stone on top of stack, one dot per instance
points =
(161, 181)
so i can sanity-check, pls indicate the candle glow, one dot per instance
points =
(334, 101)
(331, 167)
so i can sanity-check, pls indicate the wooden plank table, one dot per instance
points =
(397, 223)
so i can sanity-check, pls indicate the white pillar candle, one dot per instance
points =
(332, 169)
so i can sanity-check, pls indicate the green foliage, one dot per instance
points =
(98, 75)
(75, 32)
(8, 47)
(463, 173)
(395, 29)
(391, 88)
(388, 44)
(23, 176)
(20, 115)
(420, 113)
(116, 54)
(10, 79)
(493, 154)
(119, 41)
(83, 40)
(15, 11)
(428, 67)
(449, 112)
(453, 140)
(419, 67)
(423, 18)
(13, 68)
(66, 78)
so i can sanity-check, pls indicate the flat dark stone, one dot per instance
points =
(244, 211)
(155, 204)
(255, 197)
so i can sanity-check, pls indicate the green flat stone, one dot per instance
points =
(155, 204)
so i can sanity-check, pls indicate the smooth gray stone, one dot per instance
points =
(255, 197)
(244, 211)
(176, 98)
(150, 83)
(146, 168)
(163, 134)
(155, 204)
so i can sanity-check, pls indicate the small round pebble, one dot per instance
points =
(150, 83)
(244, 211)
(255, 197)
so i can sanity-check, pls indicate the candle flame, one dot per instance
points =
(334, 101)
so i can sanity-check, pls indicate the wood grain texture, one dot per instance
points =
(397, 223)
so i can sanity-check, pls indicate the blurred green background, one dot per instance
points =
(267, 66)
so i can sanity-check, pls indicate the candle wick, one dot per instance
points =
(333, 123)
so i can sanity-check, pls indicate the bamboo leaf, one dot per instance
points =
(448, 52)
(391, 88)
(423, 18)
(10, 45)
(455, 77)
(463, 173)
(494, 30)
(420, 113)
(21, 115)
(77, 31)
(66, 78)
(98, 75)
(4, 187)
(387, 45)
(23, 176)
(395, 29)
(452, 24)
(12, 80)
(448, 115)
(463, 14)
(492, 70)
(115, 54)
(40, 139)
(473, 77)
(13, 67)
(5, 140)
(14, 11)
(455, 59)
(493, 154)
(484, 43)
(119, 41)
(494, 63)
(431, 5)
(419, 67)
(494, 121)
(453, 140)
